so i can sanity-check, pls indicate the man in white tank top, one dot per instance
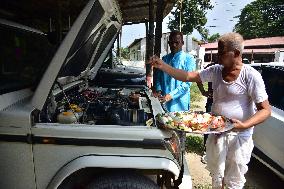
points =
(239, 94)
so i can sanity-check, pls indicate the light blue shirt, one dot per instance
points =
(179, 91)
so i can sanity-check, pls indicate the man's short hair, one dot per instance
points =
(176, 33)
(232, 41)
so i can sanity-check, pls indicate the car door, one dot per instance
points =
(268, 136)
(16, 159)
(16, 153)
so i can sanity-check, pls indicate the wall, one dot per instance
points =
(135, 51)
(138, 51)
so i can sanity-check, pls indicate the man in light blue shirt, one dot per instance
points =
(175, 94)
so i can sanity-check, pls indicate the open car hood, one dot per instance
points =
(84, 48)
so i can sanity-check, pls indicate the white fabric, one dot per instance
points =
(227, 157)
(235, 99)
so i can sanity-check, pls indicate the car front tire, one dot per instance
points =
(122, 181)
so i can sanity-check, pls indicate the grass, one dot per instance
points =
(194, 143)
(195, 95)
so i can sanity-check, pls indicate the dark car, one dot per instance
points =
(113, 73)
(268, 136)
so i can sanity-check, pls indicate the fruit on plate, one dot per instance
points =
(218, 122)
(191, 121)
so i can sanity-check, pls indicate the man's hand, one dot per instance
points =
(149, 80)
(157, 94)
(238, 125)
(263, 112)
(156, 62)
(165, 98)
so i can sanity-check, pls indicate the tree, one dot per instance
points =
(204, 32)
(199, 42)
(213, 38)
(124, 53)
(261, 18)
(193, 16)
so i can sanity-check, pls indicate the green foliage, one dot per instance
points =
(124, 53)
(194, 39)
(213, 38)
(193, 16)
(195, 94)
(200, 42)
(261, 18)
(194, 143)
(204, 33)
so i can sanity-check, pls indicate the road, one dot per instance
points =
(260, 177)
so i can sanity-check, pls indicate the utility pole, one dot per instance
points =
(150, 44)
(180, 15)
(158, 32)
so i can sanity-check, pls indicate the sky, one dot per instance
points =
(221, 17)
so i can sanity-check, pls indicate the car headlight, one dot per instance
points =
(174, 145)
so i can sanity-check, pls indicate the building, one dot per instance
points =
(262, 50)
(137, 48)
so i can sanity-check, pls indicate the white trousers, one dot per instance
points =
(227, 157)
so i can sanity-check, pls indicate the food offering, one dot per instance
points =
(194, 122)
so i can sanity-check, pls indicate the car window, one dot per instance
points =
(24, 56)
(274, 82)
(25, 52)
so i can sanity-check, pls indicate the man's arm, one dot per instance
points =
(178, 74)
(180, 90)
(263, 112)
(256, 91)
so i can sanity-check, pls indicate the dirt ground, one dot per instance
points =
(258, 175)
(200, 176)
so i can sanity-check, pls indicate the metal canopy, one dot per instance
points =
(137, 11)
(133, 11)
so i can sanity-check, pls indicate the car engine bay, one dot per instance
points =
(97, 106)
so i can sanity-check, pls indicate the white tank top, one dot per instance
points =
(236, 99)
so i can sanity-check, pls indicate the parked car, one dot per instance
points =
(268, 136)
(246, 61)
(57, 130)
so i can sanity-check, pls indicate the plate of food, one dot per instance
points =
(194, 122)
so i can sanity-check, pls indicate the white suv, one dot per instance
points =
(57, 131)
(268, 136)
